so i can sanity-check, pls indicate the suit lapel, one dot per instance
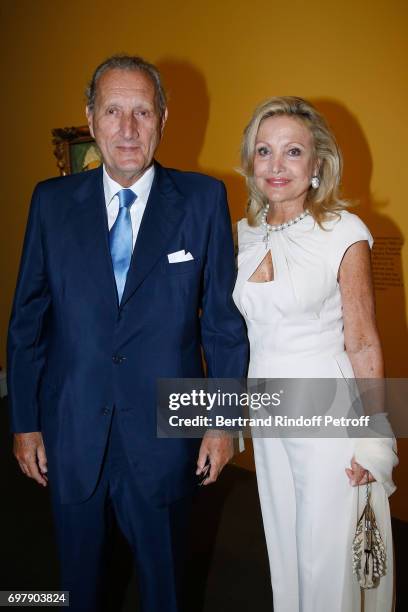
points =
(92, 234)
(163, 214)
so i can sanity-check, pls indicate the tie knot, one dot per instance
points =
(126, 198)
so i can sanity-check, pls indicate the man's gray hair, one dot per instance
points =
(128, 62)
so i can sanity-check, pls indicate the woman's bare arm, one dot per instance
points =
(360, 329)
(361, 337)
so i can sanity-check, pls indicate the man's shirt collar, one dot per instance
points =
(141, 187)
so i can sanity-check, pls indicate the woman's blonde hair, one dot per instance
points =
(321, 201)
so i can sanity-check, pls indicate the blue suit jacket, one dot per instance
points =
(75, 353)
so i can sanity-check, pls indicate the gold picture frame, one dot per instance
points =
(75, 150)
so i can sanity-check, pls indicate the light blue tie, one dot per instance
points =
(121, 239)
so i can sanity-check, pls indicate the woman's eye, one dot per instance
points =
(294, 152)
(262, 151)
(111, 111)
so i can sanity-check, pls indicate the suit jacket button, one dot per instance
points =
(118, 359)
(106, 410)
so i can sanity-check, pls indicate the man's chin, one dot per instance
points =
(126, 172)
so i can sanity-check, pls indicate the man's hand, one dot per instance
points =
(216, 447)
(30, 453)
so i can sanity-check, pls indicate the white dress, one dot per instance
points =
(309, 509)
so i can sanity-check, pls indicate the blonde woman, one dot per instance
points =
(304, 288)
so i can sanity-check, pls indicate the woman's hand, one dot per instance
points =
(357, 475)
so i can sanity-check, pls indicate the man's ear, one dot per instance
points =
(89, 117)
(163, 121)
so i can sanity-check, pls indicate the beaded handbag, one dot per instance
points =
(369, 556)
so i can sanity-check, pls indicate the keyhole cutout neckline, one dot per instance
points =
(264, 272)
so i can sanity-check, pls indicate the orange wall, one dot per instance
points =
(219, 59)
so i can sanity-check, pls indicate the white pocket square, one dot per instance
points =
(179, 256)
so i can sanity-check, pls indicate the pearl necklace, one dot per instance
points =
(277, 228)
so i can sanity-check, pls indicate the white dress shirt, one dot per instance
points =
(141, 188)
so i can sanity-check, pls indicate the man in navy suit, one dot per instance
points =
(127, 271)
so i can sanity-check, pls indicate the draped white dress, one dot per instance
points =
(309, 509)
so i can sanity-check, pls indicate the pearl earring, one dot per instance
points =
(315, 182)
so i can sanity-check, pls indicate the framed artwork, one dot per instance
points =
(75, 150)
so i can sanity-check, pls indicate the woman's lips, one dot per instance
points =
(278, 182)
